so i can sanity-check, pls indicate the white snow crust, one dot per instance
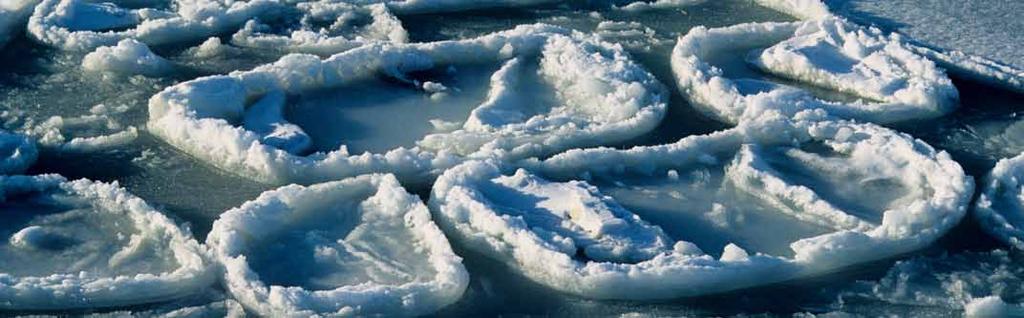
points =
(85, 244)
(602, 98)
(128, 57)
(1000, 207)
(94, 132)
(359, 246)
(540, 222)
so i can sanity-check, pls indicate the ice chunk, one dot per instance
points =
(85, 244)
(771, 200)
(659, 4)
(17, 153)
(129, 57)
(436, 6)
(359, 246)
(830, 52)
(1000, 207)
(598, 97)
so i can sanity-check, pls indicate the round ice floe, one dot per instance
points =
(1000, 208)
(891, 82)
(744, 210)
(84, 244)
(17, 153)
(83, 25)
(340, 17)
(435, 6)
(359, 246)
(554, 90)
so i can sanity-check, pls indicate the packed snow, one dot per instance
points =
(891, 82)
(97, 131)
(726, 198)
(85, 244)
(128, 57)
(597, 95)
(360, 246)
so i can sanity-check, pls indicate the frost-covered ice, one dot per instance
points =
(97, 131)
(359, 246)
(893, 83)
(17, 153)
(1000, 208)
(436, 6)
(128, 57)
(85, 244)
(768, 201)
(596, 96)
(659, 4)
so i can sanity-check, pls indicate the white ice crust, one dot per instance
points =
(894, 83)
(1000, 207)
(329, 40)
(547, 237)
(383, 232)
(603, 98)
(437, 6)
(17, 153)
(128, 57)
(149, 258)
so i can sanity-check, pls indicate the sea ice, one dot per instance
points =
(85, 244)
(771, 200)
(1000, 206)
(17, 153)
(893, 83)
(325, 41)
(554, 90)
(97, 131)
(359, 246)
(13, 15)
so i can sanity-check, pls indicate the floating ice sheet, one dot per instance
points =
(17, 153)
(893, 83)
(1000, 208)
(97, 131)
(359, 246)
(765, 202)
(128, 57)
(85, 244)
(597, 96)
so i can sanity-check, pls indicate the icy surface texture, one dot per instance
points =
(13, 14)
(17, 153)
(128, 57)
(85, 244)
(845, 193)
(359, 246)
(96, 131)
(893, 83)
(598, 96)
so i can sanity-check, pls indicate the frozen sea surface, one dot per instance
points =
(90, 122)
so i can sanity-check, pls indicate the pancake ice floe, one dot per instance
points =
(359, 246)
(84, 244)
(769, 201)
(412, 109)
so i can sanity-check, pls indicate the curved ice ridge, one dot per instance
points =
(547, 230)
(1000, 207)
(605, 98)
(172, 265)
(369, 221)
(17, 153)
(832, 53)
